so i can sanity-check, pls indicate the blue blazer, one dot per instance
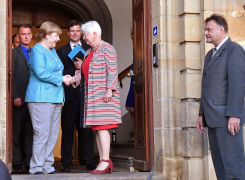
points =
(46, 76)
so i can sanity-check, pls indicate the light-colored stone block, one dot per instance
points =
(3, 141)
(193, 169)
(222, 5)
(190, 84)
(190, 112)
(3, 5)
(165, 140)
(190, 28)
(189, 6)
(209, 168)
(171, 168)
(193, 143)
(190, 54)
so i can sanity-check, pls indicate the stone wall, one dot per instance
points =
(177, 83)
(3, 80)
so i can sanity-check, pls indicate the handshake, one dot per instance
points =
(68, 80)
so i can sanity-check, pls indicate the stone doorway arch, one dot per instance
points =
(82, 10)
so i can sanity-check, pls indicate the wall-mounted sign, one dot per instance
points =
(155, 31)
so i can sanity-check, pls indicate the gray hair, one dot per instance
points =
(92, 26)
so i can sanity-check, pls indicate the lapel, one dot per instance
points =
(22, 55)
(68, 48)
(209, 62)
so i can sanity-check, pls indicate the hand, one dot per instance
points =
(108, 95)
(200, 127)
(234, 123)
(67, 79)
(63, 104)
(78, 64)
(17, 102)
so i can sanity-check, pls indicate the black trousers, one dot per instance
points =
(69, 118)
(227, 153)
(22, 127)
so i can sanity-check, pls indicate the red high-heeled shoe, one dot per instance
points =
(108, 169)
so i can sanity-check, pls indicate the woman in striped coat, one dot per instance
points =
(102, 97)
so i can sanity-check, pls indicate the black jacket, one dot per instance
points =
(69, 68)
(21, 74)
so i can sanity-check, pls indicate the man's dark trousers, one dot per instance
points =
(225, 148)
(22, 124)
(71, 116)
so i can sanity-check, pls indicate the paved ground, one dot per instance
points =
(79, 172)
(87, 176)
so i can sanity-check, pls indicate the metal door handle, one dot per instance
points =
(129, 74)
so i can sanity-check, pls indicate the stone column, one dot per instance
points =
(3, 80)
(166, 90)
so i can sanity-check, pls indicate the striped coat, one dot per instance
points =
(103, 74)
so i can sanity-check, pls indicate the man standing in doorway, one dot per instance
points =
(222, 101)
(22, 126)
(72, 112)
(15, 41)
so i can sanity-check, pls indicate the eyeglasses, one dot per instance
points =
(84, 35)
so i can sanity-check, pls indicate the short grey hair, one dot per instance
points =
(92, 26)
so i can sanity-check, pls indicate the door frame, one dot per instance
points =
(148, 37)
(9, 89)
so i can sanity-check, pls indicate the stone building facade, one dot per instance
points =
(176, 82)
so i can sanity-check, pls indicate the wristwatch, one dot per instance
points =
(110, 89)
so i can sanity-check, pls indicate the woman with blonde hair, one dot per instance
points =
(45, 95)
(102, 98)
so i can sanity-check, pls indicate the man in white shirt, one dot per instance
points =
(222, 100)
(72, 112)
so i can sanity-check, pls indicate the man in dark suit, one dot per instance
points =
(22, 126)
(72, 112)
(222, 100)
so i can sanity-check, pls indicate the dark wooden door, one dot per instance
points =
(143, 146)
(9, 98)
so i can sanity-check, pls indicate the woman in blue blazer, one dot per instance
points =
(45, 96)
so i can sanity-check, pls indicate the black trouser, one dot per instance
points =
(69, 118)
(227, 153)
(22, 127)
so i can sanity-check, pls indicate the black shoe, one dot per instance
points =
(71, 164)
(54, 172)
(38, 173)
(65, 168)
(17, 169)
(91, 167)
(27, 168)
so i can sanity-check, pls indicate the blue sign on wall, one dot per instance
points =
(155, 31)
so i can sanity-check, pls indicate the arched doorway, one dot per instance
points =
(34, 13)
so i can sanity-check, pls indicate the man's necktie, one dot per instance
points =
(29, 53)
(214, 51)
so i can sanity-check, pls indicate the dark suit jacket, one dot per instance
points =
(223, 85)
(69, 68)
(21, 74)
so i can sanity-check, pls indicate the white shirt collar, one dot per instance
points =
(72, 45)
(217, 48)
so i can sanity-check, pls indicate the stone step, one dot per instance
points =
(88, 176)
(122, 161)
(123, 149)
